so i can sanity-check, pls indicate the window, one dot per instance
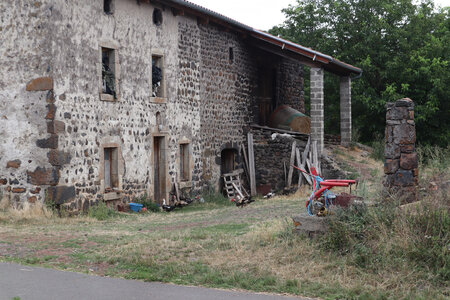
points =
(157, 17)
(109, 82)
(111, 169)
(157, 76)
(108, 7)
(231, 54)
(184, 162)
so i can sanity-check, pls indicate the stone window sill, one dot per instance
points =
(159, 100)
(185, 184)
(111, 195)
(107, 97)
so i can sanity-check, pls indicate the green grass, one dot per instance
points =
(102, 212)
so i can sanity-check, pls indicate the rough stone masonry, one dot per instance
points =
(401, 164)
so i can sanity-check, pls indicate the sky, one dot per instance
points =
(259, 14)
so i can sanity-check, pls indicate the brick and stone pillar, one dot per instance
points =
(317, 107)
(401, 165)
(346, 110)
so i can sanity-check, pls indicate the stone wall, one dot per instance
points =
(272, 154)
(290, 81)
(54, 135)
(401, 165)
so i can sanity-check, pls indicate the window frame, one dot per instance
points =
(114, 47)
(162, 98)
(185, 161)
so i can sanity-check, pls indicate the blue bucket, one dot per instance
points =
(136, 207)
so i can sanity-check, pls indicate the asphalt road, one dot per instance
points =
(40, 283)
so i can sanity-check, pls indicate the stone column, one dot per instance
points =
(401, 165)
(316, 88)
(346, 110)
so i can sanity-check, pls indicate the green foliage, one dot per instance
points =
(434, 157)
(403, 48)
(102, 212)
(378, 145)
(147, 203)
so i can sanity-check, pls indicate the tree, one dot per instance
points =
(403, 48)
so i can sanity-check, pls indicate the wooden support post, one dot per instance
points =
(251, 158)
(291, 162)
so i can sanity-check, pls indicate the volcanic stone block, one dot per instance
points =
(408, 161)
(58, 158)
(55, 127)
(43, 176)
(51, 111)
(13, 164)
(404, 178)
(18, 190)
(404, 134)
(392, 151)
(49, 143)
(61, 194)
(40, 84)
(398, 113)
(391, 166)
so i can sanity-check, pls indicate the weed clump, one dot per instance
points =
(147, 203)
(102, 212)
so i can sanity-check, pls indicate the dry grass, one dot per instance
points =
(225, 246)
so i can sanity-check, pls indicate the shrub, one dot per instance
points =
(102, 212)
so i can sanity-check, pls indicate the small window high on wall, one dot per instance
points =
(109, 83)
(108, 7)
(111, 170)
(184, 162)
(158, 76)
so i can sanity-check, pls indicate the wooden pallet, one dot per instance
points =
(233, 178)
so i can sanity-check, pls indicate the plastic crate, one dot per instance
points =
(136, 207)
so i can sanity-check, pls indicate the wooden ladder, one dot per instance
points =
(229, 179)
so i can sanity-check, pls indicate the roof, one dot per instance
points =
(264, 40)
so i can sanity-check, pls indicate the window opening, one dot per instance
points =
(231, 54)
(157, 17)
(184, 162)
(157, 76)
(108, 72)
(111, 169)
(107, 7)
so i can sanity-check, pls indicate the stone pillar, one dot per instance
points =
(401, 165)
(346, 110)
(316, 88)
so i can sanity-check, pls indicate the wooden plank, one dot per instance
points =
(239, 192)
(251, 163)
(177, 192)
(304, 158)
(247, 172)
(291, 162)
(299, 163)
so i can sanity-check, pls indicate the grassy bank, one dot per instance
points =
(378, 252)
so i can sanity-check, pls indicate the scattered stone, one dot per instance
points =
(49, 143)
(19, 190)
(310, 226)
(13, 164)
(61, 194)
(3, 181)
(40, 84)
(43, 176)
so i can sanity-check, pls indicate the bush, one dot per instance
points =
(102, 212)
(147, 203)
(378, 148)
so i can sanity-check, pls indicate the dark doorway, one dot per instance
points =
(266, 94)
(159, 155)
(228, 160)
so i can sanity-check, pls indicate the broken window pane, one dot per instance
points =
(157, 77)
(108, 72)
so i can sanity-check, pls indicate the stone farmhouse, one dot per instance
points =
(111, 99)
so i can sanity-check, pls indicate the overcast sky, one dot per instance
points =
(260, 14)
